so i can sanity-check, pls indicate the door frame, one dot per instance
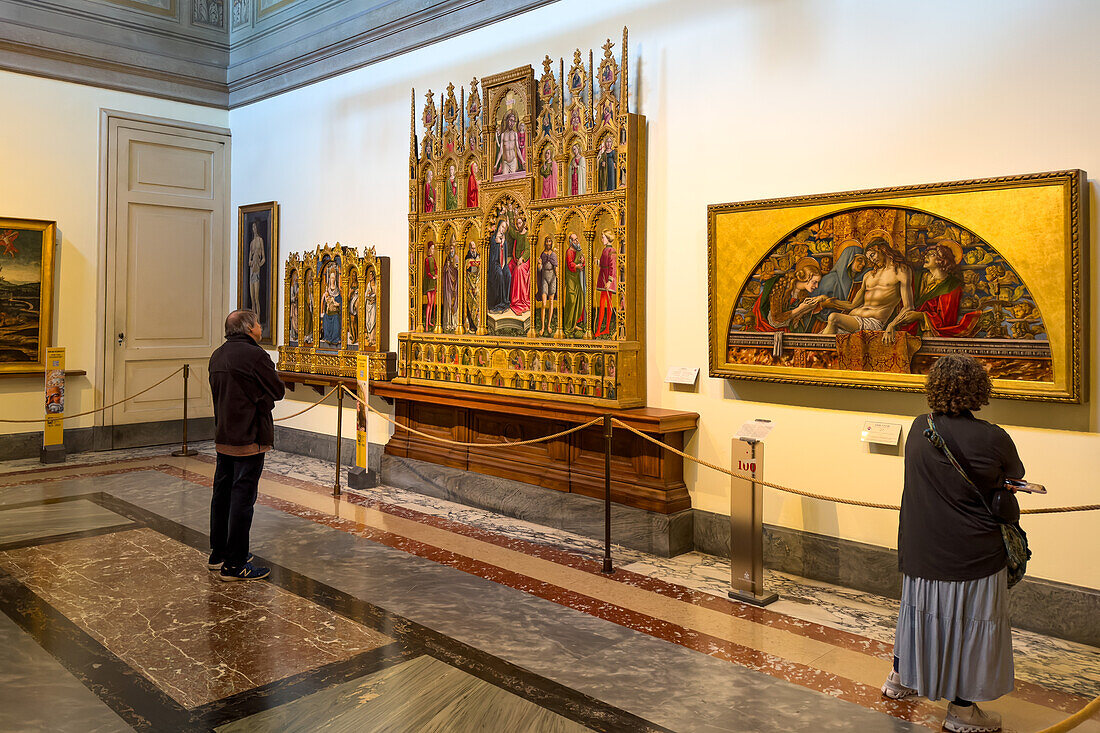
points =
(105, 310)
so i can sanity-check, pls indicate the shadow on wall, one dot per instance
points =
(1022, 413)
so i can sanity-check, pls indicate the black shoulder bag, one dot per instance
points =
(1007, 515)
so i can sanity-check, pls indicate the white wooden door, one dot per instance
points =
(166, 298)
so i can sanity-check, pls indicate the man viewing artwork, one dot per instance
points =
(245, 388)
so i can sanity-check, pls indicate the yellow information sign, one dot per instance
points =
(362, 378)
(54, 433)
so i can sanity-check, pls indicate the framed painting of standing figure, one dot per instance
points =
(868, 288)
(258, 264)
(26, 294)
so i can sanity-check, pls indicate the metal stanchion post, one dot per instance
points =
(747, 525)
(185, 451)
(607, 494)
(339, 423)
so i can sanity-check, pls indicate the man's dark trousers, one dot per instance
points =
(236, 479)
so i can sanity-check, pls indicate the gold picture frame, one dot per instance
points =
(264, 284)
(994, 267)
(26, 294)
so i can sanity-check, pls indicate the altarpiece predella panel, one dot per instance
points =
(869, 288)
(335, 309)
(527, 235)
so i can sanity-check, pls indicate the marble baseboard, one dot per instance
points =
(665, 535)
(874, 569)
(323, 446)
(107, 437)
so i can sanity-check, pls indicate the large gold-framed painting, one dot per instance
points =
(868, 288)
(26, 294)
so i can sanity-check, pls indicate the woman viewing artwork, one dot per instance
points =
(954, 637)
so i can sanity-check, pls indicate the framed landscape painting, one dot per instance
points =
(868, 288)
(258, 264)
(26, 294)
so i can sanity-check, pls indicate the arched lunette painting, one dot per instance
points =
(869, 288)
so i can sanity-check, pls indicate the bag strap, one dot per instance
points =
(937, 440)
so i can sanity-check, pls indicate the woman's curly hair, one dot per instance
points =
(957, 383)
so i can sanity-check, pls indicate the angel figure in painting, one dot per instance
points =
(785, 303)
(578, 172)
(520, 265)
(606, 173)
(370, 306)
(548, 173)
(521, 139)
(450, 194)
(450, 287)
(548, 283)
(937, 291)
(331, 302)
(508, 158)
(575, 289)
(605, 283)
(429, 287)
(575, 119)
(471, 186)
(472, 282)
(429, 193)
(256, 260)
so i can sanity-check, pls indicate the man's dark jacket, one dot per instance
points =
(245, 388)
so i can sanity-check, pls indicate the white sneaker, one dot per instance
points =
(971, 719)
(893, 688)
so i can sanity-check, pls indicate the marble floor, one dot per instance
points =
(390, 610)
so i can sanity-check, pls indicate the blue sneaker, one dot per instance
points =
(244, 572)
(215, 564)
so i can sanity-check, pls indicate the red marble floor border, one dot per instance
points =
(1027, 691)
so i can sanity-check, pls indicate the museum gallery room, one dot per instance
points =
(549, 365)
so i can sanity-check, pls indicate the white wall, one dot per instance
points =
(746, 100)
(49, 169)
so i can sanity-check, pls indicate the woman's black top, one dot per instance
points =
(945, 532)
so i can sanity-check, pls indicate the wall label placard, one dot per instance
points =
(682, 375)
(883, 433)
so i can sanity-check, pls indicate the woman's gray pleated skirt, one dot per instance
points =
(954, 638)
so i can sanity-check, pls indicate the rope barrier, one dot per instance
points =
(1076, 719)
(105, 407)
(789, 490)
(506, 444)
(299, 412)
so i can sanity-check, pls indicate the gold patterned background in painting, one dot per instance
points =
(501, 171)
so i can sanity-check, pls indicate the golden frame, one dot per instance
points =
(48, 230)
(271, 208)
(1037, 222)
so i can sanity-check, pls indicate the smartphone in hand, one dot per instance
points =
(1021, 485)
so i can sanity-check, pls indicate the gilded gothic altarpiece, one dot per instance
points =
(527, 235)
